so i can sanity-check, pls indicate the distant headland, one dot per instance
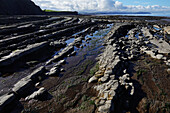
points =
(27, 7)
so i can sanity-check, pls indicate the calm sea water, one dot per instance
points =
(153, 14)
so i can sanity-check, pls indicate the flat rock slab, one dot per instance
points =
(34, 76)
(163, 47)
(15, 55)
(23, 87)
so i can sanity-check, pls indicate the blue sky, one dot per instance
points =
(146, 2)
(105, 5)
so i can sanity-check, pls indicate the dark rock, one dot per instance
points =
(31, 63)
(54, 71)
(78, 41)
(60, 63)
(5, 101)
(16, 55)
(56, 24)
(23, 87)
(19, 7)
(73, 53)
(58, 44)
(36, 94)
(34, 76)
(67, 50)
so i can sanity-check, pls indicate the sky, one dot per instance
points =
(105, 5)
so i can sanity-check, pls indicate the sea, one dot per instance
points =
(152, 14)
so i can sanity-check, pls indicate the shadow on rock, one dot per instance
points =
(126, 102)
(46, 96)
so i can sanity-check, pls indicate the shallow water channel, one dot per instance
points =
(84, 59)
(79, 64)
(90, 48)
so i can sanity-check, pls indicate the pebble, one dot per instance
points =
(37, 84)
(104, 79)
(168, 70)
(93, 79)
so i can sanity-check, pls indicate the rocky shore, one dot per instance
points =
(84, 64)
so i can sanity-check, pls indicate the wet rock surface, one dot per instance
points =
(84, 64)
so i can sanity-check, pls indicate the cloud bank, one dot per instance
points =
(96, 5)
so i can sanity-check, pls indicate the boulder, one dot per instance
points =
(104, 78)
(102, 102)
(132, 90)
(112, 93)
(152, 54)
(168, 70)
(124, 78)
(58, 44)
(36, 94)
(156, 26)
(159, 56)
(104, 108)
(108, 72)
(78, 40)
(54, 71)
(114, 85)
(112, 77)
(167, 63)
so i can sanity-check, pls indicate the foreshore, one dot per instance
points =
(84, 63)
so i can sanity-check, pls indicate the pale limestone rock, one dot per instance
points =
(93, 79)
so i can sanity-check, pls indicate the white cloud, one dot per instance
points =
(95, 5)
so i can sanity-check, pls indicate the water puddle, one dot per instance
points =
(71, 40)
(127, 36)
(96, 34)
(137, 35)
(157, 29)
(68, 41)
(89, 49)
